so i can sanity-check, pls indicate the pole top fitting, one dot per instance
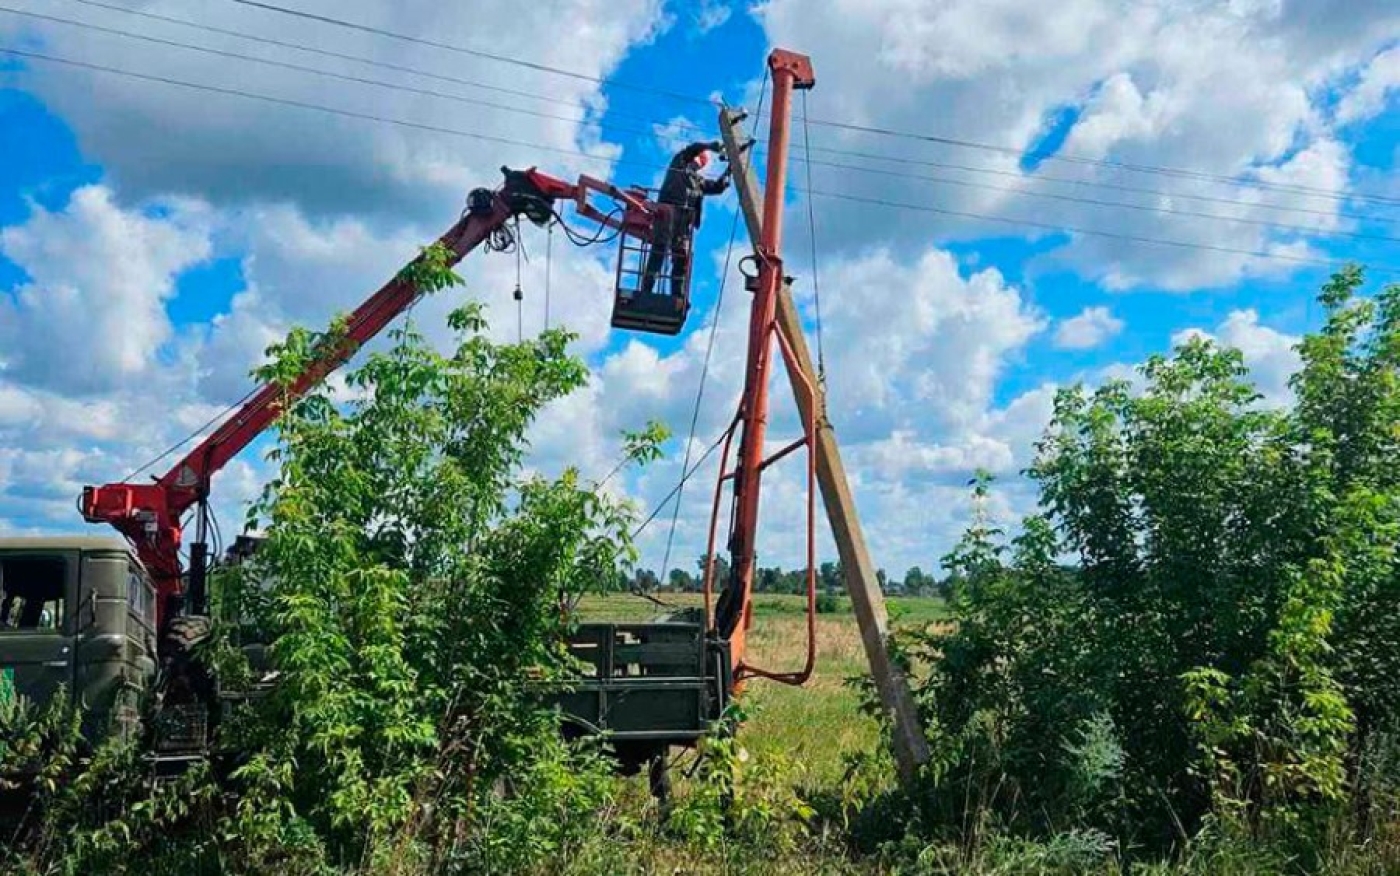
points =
(799, 67)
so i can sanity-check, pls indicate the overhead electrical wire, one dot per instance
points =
(476, 53)
(1160, 170)
(317, 71)
(1164, 170)
(1099, 202)
(190, 437)
(1070, 229)
(372, 62)
(299, 104)
(234, 92)
(807, 160)
(1091, 183)
(685, 477)
(683, 125)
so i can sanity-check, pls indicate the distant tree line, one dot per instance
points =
(775, 579)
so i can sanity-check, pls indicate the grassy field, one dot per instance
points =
(805, 734)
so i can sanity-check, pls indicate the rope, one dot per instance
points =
(678, 487)
(548, 261)
(812, 234)
(709, 351)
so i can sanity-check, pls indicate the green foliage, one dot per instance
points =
(97, 811)
(409, 588)
(737, 801)
(415, 583)
(432, 270)
(1228, 641)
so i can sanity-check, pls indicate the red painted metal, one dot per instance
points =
(150, 515)
(734, 613)
(810, 432)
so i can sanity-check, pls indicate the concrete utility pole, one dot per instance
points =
(910, 746)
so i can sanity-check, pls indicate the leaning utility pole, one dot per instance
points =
(910, 746)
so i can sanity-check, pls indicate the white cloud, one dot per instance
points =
(1378, 81)
(1149, 82)
(1269, 353)
(917, 341)
(92, 314)
(710, 14)
(233, 150)
(1093, 327)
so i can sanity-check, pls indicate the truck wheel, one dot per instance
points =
(182, 634)
(188, 697)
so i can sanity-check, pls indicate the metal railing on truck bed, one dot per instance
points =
(645, 686)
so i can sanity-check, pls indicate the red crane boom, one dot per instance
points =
(151, 515)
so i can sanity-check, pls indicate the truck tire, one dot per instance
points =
(187, 714)
(182, 635)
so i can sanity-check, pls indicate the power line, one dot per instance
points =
(680, 485)
(70, 62)
(316, 71)
(584, 120)
(372, 62)
(1148, 208)
(475, 53)
(830, 123)
(1103, 184)
(1161, 170)
(1070, 229)
(191, 436)
(299, 104)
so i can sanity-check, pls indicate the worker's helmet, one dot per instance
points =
(701, 160)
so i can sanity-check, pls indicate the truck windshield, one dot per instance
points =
(31, 592)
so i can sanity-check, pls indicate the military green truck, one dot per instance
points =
(77, 615)
(78, 620)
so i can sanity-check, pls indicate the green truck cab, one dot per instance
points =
(77, 616)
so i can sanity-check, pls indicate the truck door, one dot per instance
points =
(36, 645)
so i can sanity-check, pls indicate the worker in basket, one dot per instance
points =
(678, 213)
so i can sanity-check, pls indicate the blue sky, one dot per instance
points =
(154, 238)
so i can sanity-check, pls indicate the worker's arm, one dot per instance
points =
(716, 185)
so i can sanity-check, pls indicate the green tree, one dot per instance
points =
(1227, 643)
(918, 583)
(721, 571)
(682, 581)
(417, 575)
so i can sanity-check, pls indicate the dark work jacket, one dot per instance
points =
(685, 187)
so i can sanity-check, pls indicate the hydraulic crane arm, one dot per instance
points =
(151, 515)
(733, 613)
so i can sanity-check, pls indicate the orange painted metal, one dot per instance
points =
(734, 612)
